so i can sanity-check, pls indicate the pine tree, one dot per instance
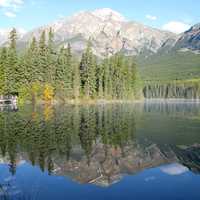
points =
(42, 58)
(116, 67)
(68, 76)
(41, 70)
(136, 84)
(99, 84)
(64, 73)
(13, 39)
(31, 62)
(76, 80)
(88, 67)
(51, 61)
(13, 73)
(119, 74)
(92, 79)
(3, 58)
(128, 80)
(107, 80)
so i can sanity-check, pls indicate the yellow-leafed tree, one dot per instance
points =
(48, 93)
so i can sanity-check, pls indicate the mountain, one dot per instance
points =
(161, 55)
(3, 36)
(173, 65)
(190, 40)
(178, 59)
(109, 32)
(108, 165)
(107, 168)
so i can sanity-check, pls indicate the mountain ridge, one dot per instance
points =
(108, 30)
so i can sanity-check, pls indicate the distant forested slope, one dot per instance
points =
(171, 66)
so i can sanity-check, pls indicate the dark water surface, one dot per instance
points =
(137, 151)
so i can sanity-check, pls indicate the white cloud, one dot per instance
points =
(21, 162)
(151, 17)
(11, 3)
(10, 14)
(10, 7)
(150, 178)
(176, 27)
(18, 2)
(21, 31)
(174, 169)
(4, 3)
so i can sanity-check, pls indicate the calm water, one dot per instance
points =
(132, 151)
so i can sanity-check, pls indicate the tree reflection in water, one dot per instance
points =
(91, 144)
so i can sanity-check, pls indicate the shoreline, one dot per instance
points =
(107, 102)
(86, 102)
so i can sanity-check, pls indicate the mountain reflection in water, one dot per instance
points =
(101, 144)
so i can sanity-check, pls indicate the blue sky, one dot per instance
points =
(173, 15)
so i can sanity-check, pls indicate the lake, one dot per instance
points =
(148, 150)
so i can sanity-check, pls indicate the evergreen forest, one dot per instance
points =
(44, 72)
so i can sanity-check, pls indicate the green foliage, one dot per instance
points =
(124, 81)
(31, 62)
(187, 89)
(171, 66)
(43, 73)
(171, 75)
(64, 73)
(51, 59)
(88, 71)
(76, 80)
(3, 58)
(42, 58)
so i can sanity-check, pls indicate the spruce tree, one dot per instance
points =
(13, 73)
(51, 61)
(64, 73)
(3, 58)
(31, 62)
(88, 67)
(99, 76)
(136, 84)
(107, 80)
(76, 80)
(41, 70)
(42, 58)
(68, 76)
(118, 76)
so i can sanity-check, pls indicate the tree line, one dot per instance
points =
(43, 71)
(181, 89)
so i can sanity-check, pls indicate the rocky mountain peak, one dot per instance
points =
(108, 14)
(109, 32)
(193, 29)
(196, 27)
(190, 40)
